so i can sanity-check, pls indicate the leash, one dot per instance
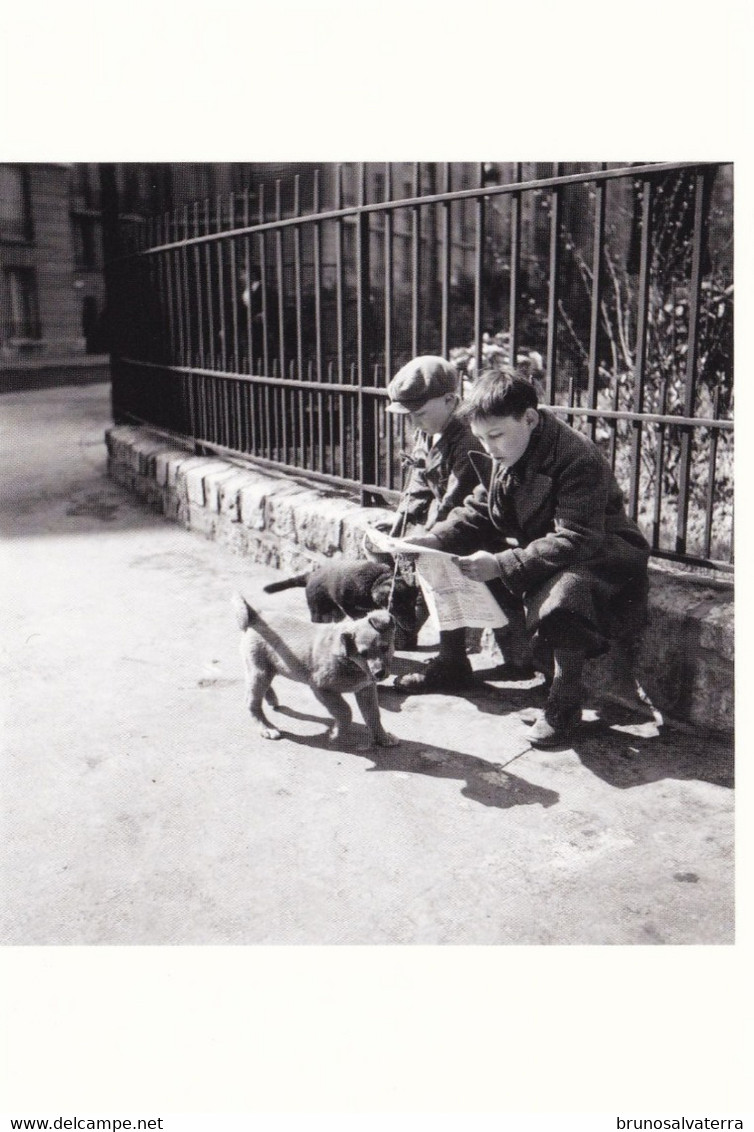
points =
(409, 464)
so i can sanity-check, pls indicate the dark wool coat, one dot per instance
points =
(441, 476)
(558, 528)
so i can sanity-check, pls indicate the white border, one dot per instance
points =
(148, 1031)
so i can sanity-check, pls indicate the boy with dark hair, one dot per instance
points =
(426, 389)
(547, 529)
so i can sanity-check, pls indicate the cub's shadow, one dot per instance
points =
(485, 782)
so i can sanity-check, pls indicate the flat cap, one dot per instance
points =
(419, 381)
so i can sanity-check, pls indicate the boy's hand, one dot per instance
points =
(480, 567)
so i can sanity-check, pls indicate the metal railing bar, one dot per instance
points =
(388, 298)
(339, 278)
(594, 176)
(478, 268)
(278, 404)
(615, 415)
(334, 388)
(362, 291)
(640, 356)
(692, 353)
(234, 287)
(659, 468)
(711, 469)
(515, 273)
(265, 421)
(208, 276)
(657, 418)
(446, 247)
(187, 355)
(707, 563)
(221, 290)
(298, 303)
(248, 291)
(318, 322)
(552, 294)
(415, 264)
(297, 277)
(180, 291)
(198, 276)
(598, 249)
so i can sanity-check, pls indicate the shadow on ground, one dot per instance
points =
(621, 747)
(485, 782)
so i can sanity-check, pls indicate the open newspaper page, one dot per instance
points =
(454, 602)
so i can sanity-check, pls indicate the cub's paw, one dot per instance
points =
(385, 740)
(270, 733)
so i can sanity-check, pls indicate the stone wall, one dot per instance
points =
(685, 662)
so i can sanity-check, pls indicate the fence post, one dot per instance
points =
(552, 299)
(368, 439)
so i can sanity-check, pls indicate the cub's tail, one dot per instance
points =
(287, 583)
(245, 615)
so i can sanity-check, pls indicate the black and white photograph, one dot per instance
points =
(368, 611)
(447, 449)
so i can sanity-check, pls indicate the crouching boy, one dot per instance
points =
(547, 529)
(426, 390)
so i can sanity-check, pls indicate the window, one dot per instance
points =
(15, 204)
(24, 308)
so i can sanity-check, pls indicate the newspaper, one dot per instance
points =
(454, 601)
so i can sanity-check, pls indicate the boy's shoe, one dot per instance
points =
(556, 727)
(438, 675)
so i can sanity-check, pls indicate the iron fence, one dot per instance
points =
(265, 326)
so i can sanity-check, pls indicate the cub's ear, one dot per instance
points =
(381, 621)
(346, 644)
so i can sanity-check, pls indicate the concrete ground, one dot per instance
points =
(141, 807)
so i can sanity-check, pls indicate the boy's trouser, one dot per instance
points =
(453, 646)
(574, 609)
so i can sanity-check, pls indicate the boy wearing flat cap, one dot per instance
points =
(426, 389)
(547, 528)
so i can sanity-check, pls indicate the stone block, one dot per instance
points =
(230, 494)
(213, 480)
(193, 475)
(307, 518)
(145, 451)
(280, 510)
(200, 519)
(120, 440)
(319, 525)
(174, 465)
(173, 506)
(356, 523)
(233, 535)
(162, 461)
(252, 501)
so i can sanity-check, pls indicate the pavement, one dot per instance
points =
(141, 806)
